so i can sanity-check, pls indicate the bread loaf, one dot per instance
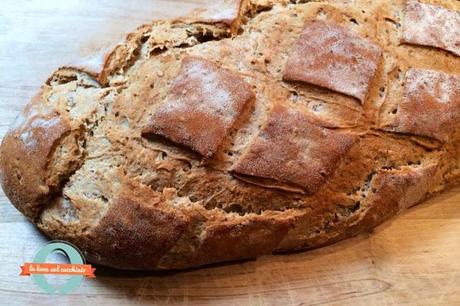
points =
(271, 127)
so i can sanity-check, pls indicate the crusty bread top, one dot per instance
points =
(292, 148)
(343, 61)
(276, 126)
(203, 103)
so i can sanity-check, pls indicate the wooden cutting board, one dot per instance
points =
(413, 259)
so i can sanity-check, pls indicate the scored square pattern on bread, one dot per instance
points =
(275, 126)
(431, 25)
(292, 148)
(333, 57)
(429, 105)
(203, 103)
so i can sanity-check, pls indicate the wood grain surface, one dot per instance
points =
(413, 259)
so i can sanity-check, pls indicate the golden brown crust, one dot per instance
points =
(137, 203)
(333, 57)
(292, 148)
(136, 232)
(429, 105)
(431, 25)
(202, 105)
(227, 241)
(25, 155)
(227, 12)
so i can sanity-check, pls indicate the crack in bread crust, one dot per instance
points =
(182, 210)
